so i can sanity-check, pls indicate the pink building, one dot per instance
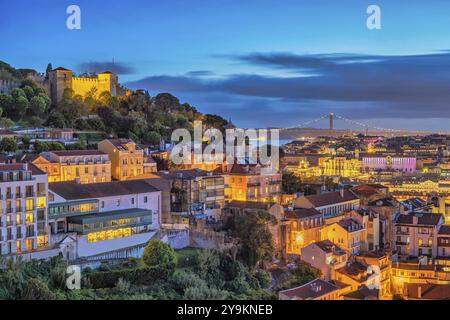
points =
(404, 164)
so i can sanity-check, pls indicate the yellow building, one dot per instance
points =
(418, 273)
(251, 183)
(85, 166)
(348, 234)
(302, 227)
(127, 158)
(340, 166)
(61, 79)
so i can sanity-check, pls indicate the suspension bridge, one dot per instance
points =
(354, 125)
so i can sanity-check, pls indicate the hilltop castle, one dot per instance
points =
(61, 79)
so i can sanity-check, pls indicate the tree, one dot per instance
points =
(256, 243)
(36, 289)
(159, 254)
(6, 102)
(20, 106)
(8, 145)
(41, 146)
(29, 92)
(56, 120)
(6, 123)
(48, 69)
(37, 105)
(35, 122)
(152, 137)
(291, 183)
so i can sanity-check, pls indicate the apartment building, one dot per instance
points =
(252, 183)
(348, 233)
(85, 166)
(325, 256)
(416, 234)
(332, 204)
(301, 228)
(93, 219)
(23, 205)
(127, 158)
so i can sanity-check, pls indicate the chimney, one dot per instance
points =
(419, 292)
(25, 166)
(341, 191)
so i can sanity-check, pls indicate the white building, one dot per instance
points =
(93, 219)
(23, 209)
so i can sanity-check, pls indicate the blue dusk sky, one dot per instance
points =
(258, 62)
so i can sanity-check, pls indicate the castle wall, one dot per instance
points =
(61, 78)
(6, 86)
(82, 86)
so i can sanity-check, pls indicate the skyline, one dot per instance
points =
(306, 62)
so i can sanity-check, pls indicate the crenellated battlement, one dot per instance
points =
(61, 79)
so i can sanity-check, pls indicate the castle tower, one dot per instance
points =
(108, 81)
(60, 79)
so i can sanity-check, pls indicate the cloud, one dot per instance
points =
(200, 73)
(360, 86)
(97, 67)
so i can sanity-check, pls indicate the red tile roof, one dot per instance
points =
(326, 199)
(311, 290)
(302, 213)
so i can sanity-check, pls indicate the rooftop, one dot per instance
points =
(325, 199)
(426, 219)
(250, 205)
(302, 213)
(311, 290)
(69, 153)
(74, 191)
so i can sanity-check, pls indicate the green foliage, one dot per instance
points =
(157, 254)
(6, 123)
(37, 289)
(37, 105)
(302, 274)
(291, 183)
(44, 146)
(8, 145)
(256, 243)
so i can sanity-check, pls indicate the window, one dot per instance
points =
(145, 199)
(132, 200)
(103, 204)
(118, 202)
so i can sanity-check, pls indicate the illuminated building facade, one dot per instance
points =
(127, 158)
(61, 79)
(332, 204)
(340, 166)
(102, 217)
(86, 166)
(302, 227)
(416, 234)
(348, 234)
(23, 203)
(252, 183)
(396, 163)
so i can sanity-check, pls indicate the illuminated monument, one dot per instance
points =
(61, 79)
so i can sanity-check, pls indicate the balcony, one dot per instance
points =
(30, 194)
(401, 243)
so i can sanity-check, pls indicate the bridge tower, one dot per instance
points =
(331, 121)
